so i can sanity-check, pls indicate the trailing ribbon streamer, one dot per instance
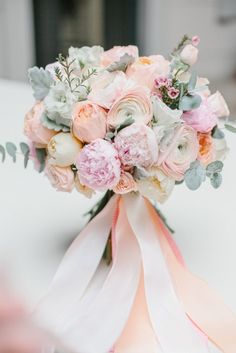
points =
(90, 308)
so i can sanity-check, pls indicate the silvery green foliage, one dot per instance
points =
(217, 133)
(112, 134)
(192, 82)
(190, 102)
(195, 175)
(85, 56)
(122, 64)
(231, 128)
(40, 81)
(52, 125)
(26, 152)
(213, 171)
(41, 154)
(11, 150)
(216, 180)
(3, 153)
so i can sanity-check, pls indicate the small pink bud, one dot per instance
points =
(195, 40)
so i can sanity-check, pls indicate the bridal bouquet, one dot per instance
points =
(134, 127)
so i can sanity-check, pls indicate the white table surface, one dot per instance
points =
(36, 222)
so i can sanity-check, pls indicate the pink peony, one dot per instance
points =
(137, 146)
(33, 127)
(189, 54)
(61, 178)
(202, 119)
(98, 165)
(126, 184)
(114, 54)
(133, 103)
(218, 105)
(89, 121)
(145, 70)
(179, 152)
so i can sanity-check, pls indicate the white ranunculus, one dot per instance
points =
(63, 149)
(59, 102)
(156, 185)
(221, 149)
(85, 56)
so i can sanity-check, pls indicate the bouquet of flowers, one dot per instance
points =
(134, 127)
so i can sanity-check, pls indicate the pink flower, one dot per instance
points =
(162, 81)
(114, 54)
(61, 178)
(33, 127)
(189, 54)
(202, 119)
(145, 70)
(126, 184)
(133, 103)
(107, 87)
(137, 146)
(195, 40)
(218, 105)
(98, 165)
(173, 92)
(179, 152)
(206, 148)
(89, 121)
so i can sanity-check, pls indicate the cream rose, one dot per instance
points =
(134, 103)
(63, 149)
(89, 121)
(61, 178)
(218, 105)
(126, 184)
(189, 54)
(157, 185)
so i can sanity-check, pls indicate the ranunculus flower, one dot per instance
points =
(206, 148)
(114, 54)
(126, 184)
(61, 178)
(202, 119)
(133, 103)
(189, 54)
(98, 165)
(63, 149)
(157, 185)
(178, 151)
(146, 69)
(88, 121)
(107, 87)
(33, 127)
(218, 105)
(137, 146)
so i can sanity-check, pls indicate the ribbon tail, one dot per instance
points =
(203, 306)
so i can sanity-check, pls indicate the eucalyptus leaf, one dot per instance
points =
(41, 154)
(11, 150)
(190, 102)
(214, 167)
(52, 125)
(122, 64)
(217, 133)
(40, 81)
(26, 152)
(3, 153)
(216, 180)
(192, 82)
(195, 175)
(230, 128)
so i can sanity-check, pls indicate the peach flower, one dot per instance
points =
(89, 121)
(114, 54)
(189, 54)
(126, 184)
(61, 178)
(134, 103)
(218, 105)
(146, 69)
(206, 148)
(33, 127)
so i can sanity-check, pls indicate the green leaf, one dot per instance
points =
(230, 128)
(109, 135)
(40, 81)
(41, 154)
(216, 180)
(26, 152)
(214, 167)
(3, 153)
(195, 175)
(190, 102)
(11, 150)
(122, 64)
(192, 82)
(217, 133)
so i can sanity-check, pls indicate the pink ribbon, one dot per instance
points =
(144, 302)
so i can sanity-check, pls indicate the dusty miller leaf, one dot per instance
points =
(122, 64)
(40, 81)
(53, 125)
(3, 153)
(11, 150)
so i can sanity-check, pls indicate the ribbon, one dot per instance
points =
(146, 301)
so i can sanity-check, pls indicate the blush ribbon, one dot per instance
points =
(146, 301)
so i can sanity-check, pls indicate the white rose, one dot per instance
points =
(221, 149)
(218, 105)
(189, 55)
(63, 149)
(156, 185)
